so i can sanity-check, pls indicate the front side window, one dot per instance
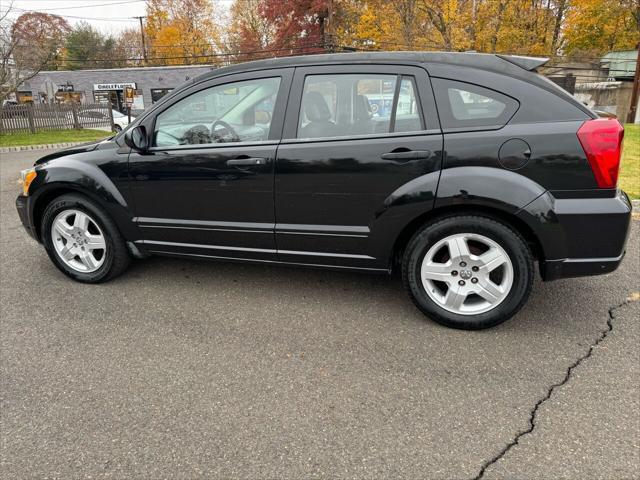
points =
(466, 105)
(357, 104)
(233, 112)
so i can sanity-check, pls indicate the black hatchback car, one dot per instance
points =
(460, 170)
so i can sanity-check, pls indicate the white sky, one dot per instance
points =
(108, 16)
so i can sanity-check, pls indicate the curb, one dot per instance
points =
(47, 146)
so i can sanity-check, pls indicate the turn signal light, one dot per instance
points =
(601, 140)
(27, 176)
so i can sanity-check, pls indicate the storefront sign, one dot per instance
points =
(129, 92)
(113, 86)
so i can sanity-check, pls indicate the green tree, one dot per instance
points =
(86, 47)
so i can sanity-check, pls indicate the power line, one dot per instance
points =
(188, 57)
(84, 6)
(429, 44)
(104, 19)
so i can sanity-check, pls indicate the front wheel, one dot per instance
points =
(82, 241)
(468, 272)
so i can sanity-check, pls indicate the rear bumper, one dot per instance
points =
(578, 267)
(579, 236)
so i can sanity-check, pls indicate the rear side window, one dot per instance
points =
(358, 104)
(463, 105)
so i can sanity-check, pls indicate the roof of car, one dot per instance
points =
(477, 60)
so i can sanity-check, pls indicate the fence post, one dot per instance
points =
(74, 112)
(110, 110)
(32, 124)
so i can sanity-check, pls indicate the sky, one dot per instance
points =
(108, 16)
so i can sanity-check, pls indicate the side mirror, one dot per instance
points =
(136, 138)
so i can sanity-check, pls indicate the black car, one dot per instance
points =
(460, 170)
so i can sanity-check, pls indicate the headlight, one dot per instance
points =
(26, 177)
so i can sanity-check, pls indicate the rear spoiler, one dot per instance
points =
(528, 63)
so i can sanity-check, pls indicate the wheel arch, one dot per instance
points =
(54, 190)
(505, 217)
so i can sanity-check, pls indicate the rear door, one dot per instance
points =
(353, 135)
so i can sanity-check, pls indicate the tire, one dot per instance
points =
(429, 255)
(112, 260)
(117, 128)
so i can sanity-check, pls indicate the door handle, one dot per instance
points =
(407, 155)
(246, 162)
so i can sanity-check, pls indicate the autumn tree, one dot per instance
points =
(299, 25)
(594, 27)
(30, 44)
(129, 47)
(182, 32)
(249, 29)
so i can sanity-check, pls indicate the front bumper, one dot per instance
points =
(22, 205)
(579, 236)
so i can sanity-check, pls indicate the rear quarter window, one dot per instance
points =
(465, 105)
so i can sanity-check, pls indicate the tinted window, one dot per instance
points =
(462, 104)
(233, 112)
(408, 117)
(357, 104)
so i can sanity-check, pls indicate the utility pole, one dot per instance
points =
(144, 48)
(328, 28)
(634, 93)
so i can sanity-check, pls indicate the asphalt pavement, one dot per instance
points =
(185, 369)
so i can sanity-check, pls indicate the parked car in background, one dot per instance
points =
(120, 121)
(459, 170)
(12, 109)
(99, 119)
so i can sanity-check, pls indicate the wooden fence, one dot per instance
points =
(38, 117)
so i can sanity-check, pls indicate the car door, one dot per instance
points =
(354, 135)
(205, 185)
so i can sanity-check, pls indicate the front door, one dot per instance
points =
(354, 135)
(205, 186)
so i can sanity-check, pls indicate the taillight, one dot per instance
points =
(601, 140)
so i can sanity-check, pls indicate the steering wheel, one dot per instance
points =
(230, 134)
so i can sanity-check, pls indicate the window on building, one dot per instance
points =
(158, 93)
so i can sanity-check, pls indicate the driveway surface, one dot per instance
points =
(183, 369)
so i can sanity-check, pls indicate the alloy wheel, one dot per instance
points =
(467, 274)
(78, 241)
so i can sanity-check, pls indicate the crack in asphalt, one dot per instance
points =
(534, 411)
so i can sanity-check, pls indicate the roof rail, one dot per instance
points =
(528, 63)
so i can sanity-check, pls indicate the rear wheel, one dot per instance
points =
(468, 272)
(82, 241)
